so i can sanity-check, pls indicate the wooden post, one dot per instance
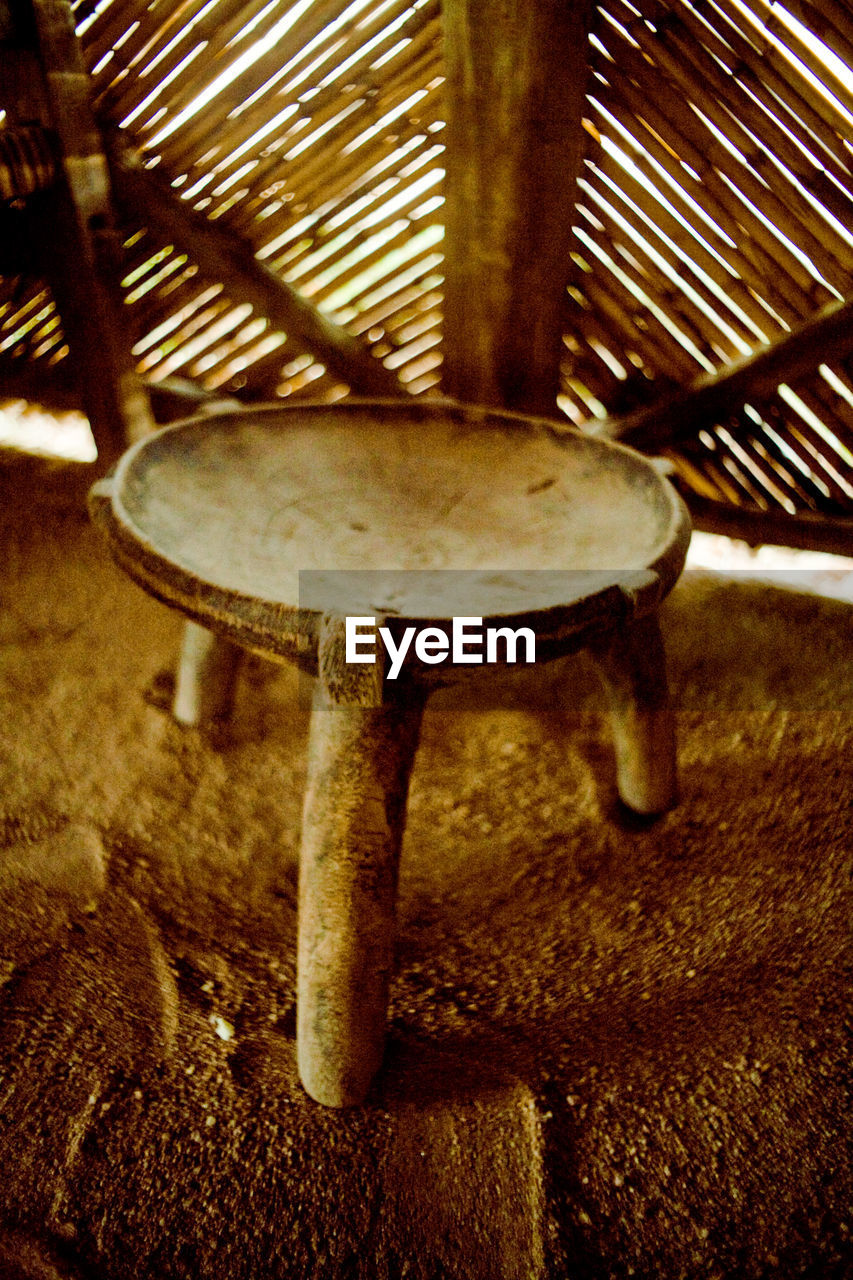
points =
(73, 223)
(516, 77)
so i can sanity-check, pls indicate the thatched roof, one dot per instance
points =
(713, 213)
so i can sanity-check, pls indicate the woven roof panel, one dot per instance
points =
(329, 163)
(714, 216)
(713, 208)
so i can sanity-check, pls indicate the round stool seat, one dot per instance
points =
(221, 515)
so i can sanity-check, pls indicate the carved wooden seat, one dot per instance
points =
(269, 527)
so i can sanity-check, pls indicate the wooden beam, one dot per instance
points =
(806, 530)
(73, 225)
(54, 387)
(683, 413)
(222, 256)
(516, 76)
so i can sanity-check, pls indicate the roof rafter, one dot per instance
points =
(684, 412)
(224, 256)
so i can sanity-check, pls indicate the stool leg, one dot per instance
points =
(206, 678)
(359, 761)
(633, 666)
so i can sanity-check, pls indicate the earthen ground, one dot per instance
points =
(617, 1047)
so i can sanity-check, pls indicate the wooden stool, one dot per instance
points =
(507, 518)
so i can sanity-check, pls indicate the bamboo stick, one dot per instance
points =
(423, 309)
(775, 26)
(356, 269)
(109, 25)
(146, 43)
(304, 174)
(764, 492)
(580, 320)
(348, 182)
(647, 143)
(836, 411)
(264, 374)
(396, 302)
(690, 471)
(306, 264)
(373, 293)
(773, 136)
(777, 475)
(375, 152)
(620, 320)
(809, 448)
(694, 84)
(588, 326)
(270, 230)
(693, 68)
(249, 122)
(822, 411)
(586, 363)
(360, 173)
(222, 351)
(310, 166)
(278, 169)
(409, 323)
(728, 479)
(345, 41)
(693, 322)
(654, 343)
(218, 55)
(704, 153)
(735, 456)
(775, 64)
(828, 24)
(778, 97)
(158, 364)
(683, 273)
(757, 495)
(784, 295)
(267, 101)
(838, 14)
(316, 165)
(194, 340)
(218, 110)
(171, 320)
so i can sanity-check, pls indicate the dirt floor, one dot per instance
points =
(617, 1048)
